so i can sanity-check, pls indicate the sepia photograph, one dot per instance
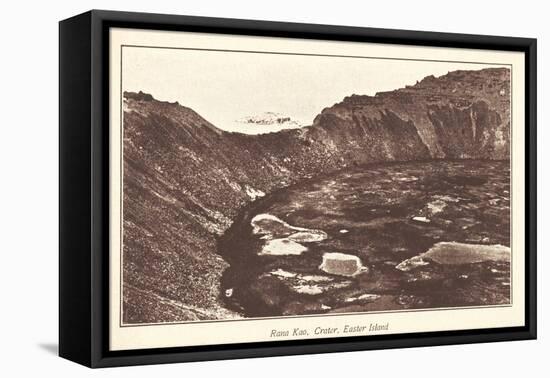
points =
(236, 188)
(275, 184)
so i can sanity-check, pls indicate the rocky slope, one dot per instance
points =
(464, 114)
(185, 180)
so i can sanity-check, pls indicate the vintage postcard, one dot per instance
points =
(267, 189)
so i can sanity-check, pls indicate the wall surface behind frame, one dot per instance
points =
(29, 161)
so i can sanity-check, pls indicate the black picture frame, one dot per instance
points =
(84, 189)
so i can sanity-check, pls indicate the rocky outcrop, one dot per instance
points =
(185, 180)
(464, 114)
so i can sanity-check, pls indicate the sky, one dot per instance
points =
(227, 86)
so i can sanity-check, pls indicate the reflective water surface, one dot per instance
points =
(381, 237)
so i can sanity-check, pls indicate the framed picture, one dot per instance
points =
(234, 188)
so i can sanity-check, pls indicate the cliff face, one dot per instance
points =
(185, 180)
(464, 114)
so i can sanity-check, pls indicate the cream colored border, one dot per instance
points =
(253, 330)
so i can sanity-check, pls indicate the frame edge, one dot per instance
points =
(75, 335)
